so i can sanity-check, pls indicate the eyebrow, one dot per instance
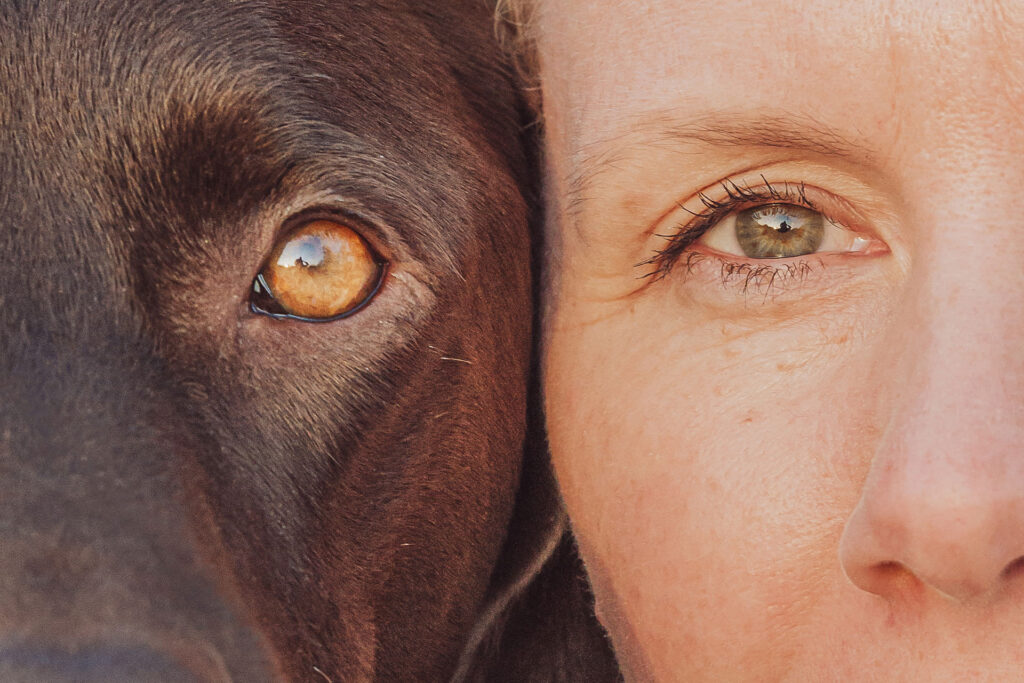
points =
(703, 135)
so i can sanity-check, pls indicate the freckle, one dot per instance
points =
(785, 367)
(751, 416)
(633, 201)
(843, 339)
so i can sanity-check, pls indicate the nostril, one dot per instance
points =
(90, 665)
(893, 578)
(1014, 569)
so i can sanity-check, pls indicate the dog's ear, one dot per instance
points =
(538, 622)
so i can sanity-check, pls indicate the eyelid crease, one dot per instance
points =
(707, 136)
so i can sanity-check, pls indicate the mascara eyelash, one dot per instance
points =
(739, 196)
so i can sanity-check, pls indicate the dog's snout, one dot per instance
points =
(96, 543)
(21, 664)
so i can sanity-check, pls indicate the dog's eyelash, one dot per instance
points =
(738, 197)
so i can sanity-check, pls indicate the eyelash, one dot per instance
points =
(739, 197)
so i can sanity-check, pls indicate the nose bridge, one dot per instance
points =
(944, 498)
(959, 366)
(956, 341)
(87, 471)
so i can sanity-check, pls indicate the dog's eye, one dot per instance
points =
(319, 272)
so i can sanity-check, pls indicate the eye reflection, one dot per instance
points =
(307, 251)
(321, 272)
(779, 231)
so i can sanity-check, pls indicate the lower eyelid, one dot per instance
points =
(757, 281)
(716, 279)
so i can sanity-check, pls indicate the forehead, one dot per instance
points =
(861, 70)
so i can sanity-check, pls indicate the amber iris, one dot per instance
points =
(322, 271)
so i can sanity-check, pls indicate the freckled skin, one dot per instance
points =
(822, 481)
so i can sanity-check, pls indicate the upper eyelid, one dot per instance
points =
(743, 196)
(834, 205)
(370, 227)
(382, 231)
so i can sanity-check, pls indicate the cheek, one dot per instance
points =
(708, 473)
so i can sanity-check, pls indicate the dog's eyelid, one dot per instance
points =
(386, 241)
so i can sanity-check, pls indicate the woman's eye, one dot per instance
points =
(322, 271)
(778, 230)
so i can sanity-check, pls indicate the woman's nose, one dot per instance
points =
(943, 503)
(935, 513)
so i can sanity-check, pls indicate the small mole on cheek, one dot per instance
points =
(752, 416)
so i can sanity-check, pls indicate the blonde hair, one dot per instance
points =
(513, 20)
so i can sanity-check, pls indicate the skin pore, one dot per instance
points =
(798, 468)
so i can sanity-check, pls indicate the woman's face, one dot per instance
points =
(784, 368)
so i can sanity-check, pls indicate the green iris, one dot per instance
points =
(779, 231)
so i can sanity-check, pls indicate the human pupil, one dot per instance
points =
(779, 231)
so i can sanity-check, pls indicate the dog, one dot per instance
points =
(265, 322)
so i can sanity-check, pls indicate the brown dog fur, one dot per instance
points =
(190, 487)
